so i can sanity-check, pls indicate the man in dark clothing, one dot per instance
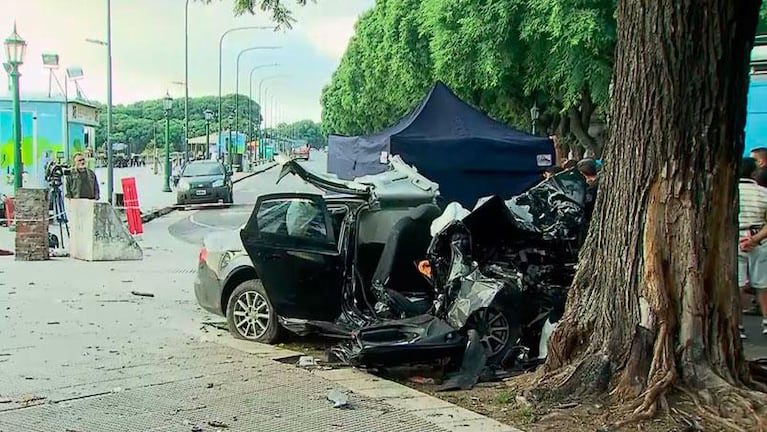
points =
(588, 167)
(82, 182)
(552, 171)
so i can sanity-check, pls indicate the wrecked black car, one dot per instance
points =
(370, 273)
(503, 271)
(310, 251)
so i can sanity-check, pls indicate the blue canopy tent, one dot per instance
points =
(452, 143)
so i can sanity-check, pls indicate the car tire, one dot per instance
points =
(496, 332)
(250, 314)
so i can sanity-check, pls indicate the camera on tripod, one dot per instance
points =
(55, 172)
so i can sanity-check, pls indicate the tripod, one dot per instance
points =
(57, 206)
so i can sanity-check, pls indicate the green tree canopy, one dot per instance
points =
(502, 56)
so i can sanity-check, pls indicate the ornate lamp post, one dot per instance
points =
(15, 48)
(167, 103)
(534, 114)
(208, 118)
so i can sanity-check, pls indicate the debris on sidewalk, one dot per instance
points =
(58, 253)
(421, 380)
(53, 322)
(5, 400)
(218, 424)
(142, 294)
(339, 398)
(307, 361)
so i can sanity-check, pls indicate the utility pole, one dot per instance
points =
(110, 161)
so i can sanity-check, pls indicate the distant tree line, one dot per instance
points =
(141, 125)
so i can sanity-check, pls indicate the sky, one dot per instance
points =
(148, 49)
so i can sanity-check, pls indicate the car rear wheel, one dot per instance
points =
(250, 314)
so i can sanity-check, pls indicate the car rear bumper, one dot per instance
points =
(207, 290)
(211, 195)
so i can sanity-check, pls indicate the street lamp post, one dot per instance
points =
(261, 113)
(229, 145)
(237, 81)
(186, 81)
(15, 48)
(109, 150)
(220, 55)
(250, 101)
(208, 118)
(534, 114)
(167, 104)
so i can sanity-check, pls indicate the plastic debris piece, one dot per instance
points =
(307, 361)
(339, 398)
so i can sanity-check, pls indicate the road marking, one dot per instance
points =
(204, 225)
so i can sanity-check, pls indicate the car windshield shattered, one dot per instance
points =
(202, 169)
(485, 290)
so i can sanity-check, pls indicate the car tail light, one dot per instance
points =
(203, 255)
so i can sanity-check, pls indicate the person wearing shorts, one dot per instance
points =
(752, 223)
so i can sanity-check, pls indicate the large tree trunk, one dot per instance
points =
(654, 303)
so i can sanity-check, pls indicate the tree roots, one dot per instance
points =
(712, 401)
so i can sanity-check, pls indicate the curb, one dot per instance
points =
(154, 214)
(438, 412)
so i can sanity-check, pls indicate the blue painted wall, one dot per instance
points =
(237, 137)
(756, 121)
(42, 130)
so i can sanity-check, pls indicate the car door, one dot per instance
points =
(290, 240)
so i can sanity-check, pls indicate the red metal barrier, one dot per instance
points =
(132, 211)
(8, 211)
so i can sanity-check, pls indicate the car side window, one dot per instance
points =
(298, 218)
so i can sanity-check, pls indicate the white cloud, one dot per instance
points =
(331, 36)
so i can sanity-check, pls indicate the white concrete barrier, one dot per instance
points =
(98, 234)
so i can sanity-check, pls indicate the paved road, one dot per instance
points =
(198, 223)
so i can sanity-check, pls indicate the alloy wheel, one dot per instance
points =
(493, 329)
(251, 315)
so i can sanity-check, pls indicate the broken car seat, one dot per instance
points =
(397, 268)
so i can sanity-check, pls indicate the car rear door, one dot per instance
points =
(290, 240)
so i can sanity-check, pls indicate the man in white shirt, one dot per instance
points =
(752, 224)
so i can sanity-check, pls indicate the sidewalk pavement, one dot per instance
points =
(80, 352)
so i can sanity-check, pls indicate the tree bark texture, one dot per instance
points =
(654, 303)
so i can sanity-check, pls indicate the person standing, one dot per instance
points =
(82, 182)
(588, 167)
(752, 230)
